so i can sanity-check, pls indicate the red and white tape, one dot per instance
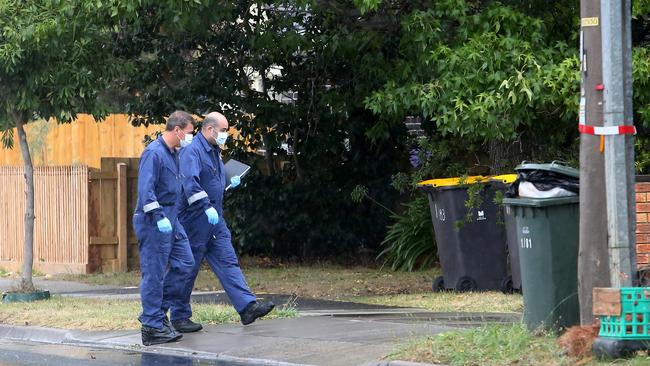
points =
(607, 130)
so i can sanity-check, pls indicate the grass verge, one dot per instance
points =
(312, 281)
(493, 302)
(100, 314)
(489, 345)
(496, 345)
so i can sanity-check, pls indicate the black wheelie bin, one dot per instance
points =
(471, 240)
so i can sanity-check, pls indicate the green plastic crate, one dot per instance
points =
(634, 321)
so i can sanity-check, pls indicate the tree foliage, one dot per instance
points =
(493, 75)
(55, 58)
(322, 88)
(290, 73)
(495, 83)
(478, 73)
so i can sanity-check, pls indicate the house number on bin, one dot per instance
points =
(526, 243)
(441, 215)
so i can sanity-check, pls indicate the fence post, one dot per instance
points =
(122, 239)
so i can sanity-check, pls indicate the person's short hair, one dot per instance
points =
(179, 119)
(210, 121)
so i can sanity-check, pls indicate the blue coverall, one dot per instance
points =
(163, 256)
(203, 187)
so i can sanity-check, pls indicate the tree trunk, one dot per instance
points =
(26, 283)
(497, 155)
(295, 155)
(270, 161)
(268, 155)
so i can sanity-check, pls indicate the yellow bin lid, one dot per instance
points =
(506, 178)
(450, 182)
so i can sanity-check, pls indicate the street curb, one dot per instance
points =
(406, 363)
(362, 313)
(126, 293)
(436, 316)
(67, 337)
(34, 334)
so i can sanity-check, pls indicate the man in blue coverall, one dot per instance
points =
(201, 213)
(163, 245)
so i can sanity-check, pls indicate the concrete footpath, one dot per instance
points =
(57, 286)
(304, 340)
(325, 333)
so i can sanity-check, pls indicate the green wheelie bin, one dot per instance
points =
(513, 282)
(547, 235)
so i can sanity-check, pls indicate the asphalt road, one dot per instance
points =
(38, 354)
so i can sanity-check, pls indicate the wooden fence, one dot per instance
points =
(83, 142)
(83, 217)
(113, 191)
(61, 225)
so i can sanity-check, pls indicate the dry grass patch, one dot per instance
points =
(492, 302)
(313, 281)
(101, 314)
(334, 282)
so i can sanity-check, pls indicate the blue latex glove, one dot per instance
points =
(235, 181)
(213, 216)
(164, 226)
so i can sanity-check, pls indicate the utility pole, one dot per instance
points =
(619, 140)
(607, 226)
(593, 259)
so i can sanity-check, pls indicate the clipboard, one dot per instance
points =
(235, 168)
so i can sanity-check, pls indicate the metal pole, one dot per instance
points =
(619, 158)
(593, 259)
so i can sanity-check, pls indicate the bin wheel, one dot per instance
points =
(506, 285)
(438, 284)
(604, 348)
(466, 284)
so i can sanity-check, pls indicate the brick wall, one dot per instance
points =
(643, 223)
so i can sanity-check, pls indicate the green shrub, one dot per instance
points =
(410, 243)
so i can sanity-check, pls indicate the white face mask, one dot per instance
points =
(221, 138)
(187, 140)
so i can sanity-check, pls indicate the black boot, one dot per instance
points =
(186, 326)
(151, 336)
(167, 324)
(255, 310)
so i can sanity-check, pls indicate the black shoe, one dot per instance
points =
(186, 326)
(255, 310)
(151, 336)
(168, 325)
